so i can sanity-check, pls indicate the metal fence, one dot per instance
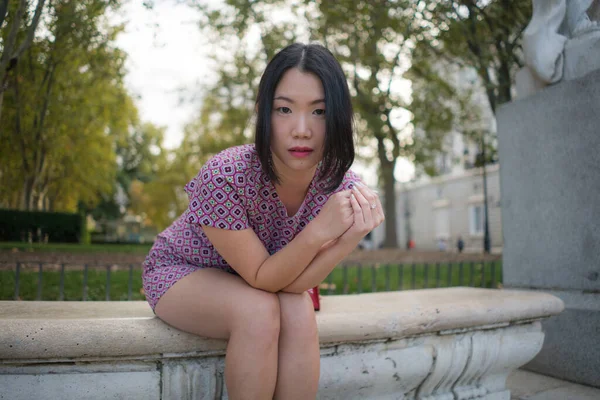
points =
(48, 281)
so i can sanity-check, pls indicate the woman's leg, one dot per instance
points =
(213, 303)
(299, 354)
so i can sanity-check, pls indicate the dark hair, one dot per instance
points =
(338, 152)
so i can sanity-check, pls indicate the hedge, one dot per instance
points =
(20, 226)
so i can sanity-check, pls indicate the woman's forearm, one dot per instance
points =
(284, 267)
(320, 267)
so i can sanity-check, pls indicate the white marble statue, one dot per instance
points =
(554, 25)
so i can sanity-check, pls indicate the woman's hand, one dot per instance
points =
(335, 217)
(368, 214)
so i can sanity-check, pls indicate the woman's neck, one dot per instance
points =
(293, 181)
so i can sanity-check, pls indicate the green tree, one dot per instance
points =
(372, 41)
(225, 115)
(483, 35)
(66, 109)
(382, 44)
(223, 120)
(17, 35)
(380, 38)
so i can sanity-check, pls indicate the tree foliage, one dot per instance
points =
(225, 116)
(483, 35)
(70, 128)
(402, 59)
(17, 36)
(223, 120)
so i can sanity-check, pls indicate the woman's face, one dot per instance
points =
(298, 122)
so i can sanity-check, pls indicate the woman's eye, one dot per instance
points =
(319, 111)
(284, 110)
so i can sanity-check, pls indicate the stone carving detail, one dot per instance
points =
(469, 365)
(475, 365)
(193, 379)
(552, 24)
(558, 42)
(375, 371)
(451, 357)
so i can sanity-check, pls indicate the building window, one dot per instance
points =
(476, 220)
(442, 223)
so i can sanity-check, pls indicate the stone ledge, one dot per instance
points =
(437, 344)
(43, 331)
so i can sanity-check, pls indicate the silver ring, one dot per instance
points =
(373, 206)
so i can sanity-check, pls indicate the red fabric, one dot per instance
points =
(314, 295)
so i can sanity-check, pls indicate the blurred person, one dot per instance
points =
(460, 244)
(442, 244)
(266, 223)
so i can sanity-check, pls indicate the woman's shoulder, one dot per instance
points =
(233, 161)
(231, 165)
(244, 154)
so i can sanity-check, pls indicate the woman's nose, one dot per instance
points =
(301, 128)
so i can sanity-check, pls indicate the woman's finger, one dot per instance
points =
(365, 206)
(358, 213)
(369, 195)
(379, 212)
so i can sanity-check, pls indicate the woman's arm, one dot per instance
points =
(320, 267)
(246, 254)
(366, 219)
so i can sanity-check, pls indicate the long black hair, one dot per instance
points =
(338, 152)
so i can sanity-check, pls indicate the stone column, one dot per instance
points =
(549, 148)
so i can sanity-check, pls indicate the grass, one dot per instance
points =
(78, 248)
(386, 277)
(72, 283)
(350, 279)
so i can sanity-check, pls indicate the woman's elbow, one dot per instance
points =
(265, 286)
(293, 289)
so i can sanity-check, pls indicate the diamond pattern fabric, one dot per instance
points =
(230, 192)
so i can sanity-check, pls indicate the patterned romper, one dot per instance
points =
(231, 191)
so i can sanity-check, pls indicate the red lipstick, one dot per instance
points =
(300, 151)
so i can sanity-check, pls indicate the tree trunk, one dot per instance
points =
(9, 57)
(28, 186)
(1, 100)
(389, 193)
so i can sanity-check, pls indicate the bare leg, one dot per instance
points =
(217, 304)
(299, 354)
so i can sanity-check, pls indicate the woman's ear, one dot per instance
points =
(256, 108)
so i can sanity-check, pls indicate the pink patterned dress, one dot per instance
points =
(231, 191)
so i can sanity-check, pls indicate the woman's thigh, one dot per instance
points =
(213, 303)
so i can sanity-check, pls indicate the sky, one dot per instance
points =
(168, 57)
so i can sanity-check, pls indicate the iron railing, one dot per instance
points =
(50, 281)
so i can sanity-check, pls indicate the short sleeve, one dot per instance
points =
(215, 201)
(350, 179)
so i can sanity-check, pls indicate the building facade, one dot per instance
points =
(436, 213)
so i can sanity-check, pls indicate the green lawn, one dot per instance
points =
(383, 277)
(351, 279)
(78, 248)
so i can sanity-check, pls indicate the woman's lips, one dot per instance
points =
(300, 152)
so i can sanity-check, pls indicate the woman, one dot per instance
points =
(265, 223)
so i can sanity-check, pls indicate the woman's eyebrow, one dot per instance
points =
(292, 101)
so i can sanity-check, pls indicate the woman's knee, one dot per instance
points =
(297, 314)
(259, 316)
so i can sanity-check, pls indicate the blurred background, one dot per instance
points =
(109, 107)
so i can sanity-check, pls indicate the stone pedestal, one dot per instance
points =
(549, 148)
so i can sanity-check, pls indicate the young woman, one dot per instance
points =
(265, 223)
